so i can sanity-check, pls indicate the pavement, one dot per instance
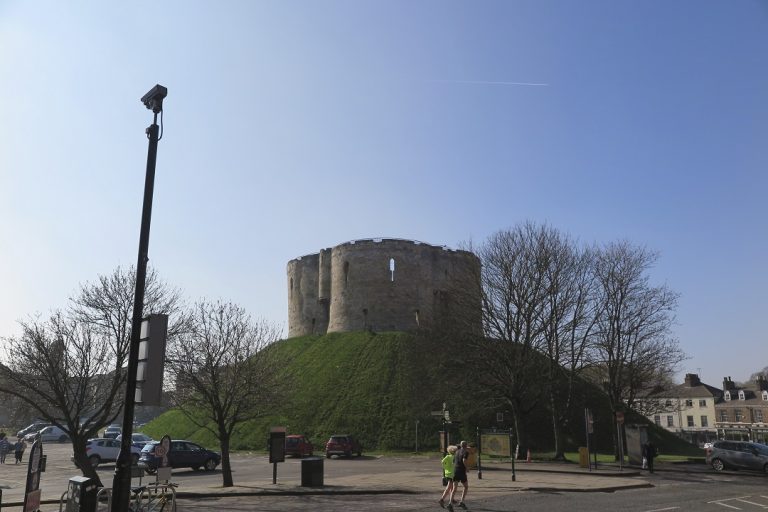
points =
(495, 479)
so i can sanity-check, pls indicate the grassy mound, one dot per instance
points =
(376, 386)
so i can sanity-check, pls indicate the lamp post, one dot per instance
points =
(121, 483)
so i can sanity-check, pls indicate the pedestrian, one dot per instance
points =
(18, 449)
(460, 474)
(649, 452)
(5, 447)
(448, 462)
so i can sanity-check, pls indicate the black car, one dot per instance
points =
(183, 454)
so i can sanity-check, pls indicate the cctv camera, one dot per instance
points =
(153, 100)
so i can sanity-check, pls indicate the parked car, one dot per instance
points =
(182, 454)
(738, 455)
(33, 428)
(138, 439)
(298, 446)
(47, 434)
(342, 444)
(112, 431)
(101, 450)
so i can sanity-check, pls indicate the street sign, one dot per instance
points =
(447, 416)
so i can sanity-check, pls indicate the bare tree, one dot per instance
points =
(635, 351)
(223, 374)
(513, 303)
(65, 372)
(569, 317)
(70, 368)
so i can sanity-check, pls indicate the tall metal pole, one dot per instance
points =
(121, 484)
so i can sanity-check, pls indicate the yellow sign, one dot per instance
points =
(495, 444)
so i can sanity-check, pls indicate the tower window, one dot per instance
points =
(392, 269)
(346, 272)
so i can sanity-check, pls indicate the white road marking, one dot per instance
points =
(660, 509)
(752, 502)
(724, 504)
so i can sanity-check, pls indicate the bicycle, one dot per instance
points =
(153, 498)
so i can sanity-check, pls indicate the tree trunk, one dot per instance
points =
(226, 467)
(82, 461)
(556, 428)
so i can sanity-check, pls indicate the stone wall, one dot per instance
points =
(373, 284)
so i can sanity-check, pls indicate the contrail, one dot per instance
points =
(487, 82)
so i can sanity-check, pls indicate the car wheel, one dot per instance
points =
(195, 468)
(150, 471)
(63, 439)
(347, 454)
(94, 460)
(210, 465)
(718, 465)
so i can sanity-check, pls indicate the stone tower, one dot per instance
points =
(373, 284)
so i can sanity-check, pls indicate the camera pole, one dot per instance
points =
(121, 484)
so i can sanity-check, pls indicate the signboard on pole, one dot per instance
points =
(32, 490)
(495, 444)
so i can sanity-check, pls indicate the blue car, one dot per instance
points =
(183, 454)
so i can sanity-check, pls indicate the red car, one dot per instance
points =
(298, 446)
(343, 445)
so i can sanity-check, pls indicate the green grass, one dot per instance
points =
(375, 386)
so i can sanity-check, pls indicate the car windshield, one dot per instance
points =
(149, 447)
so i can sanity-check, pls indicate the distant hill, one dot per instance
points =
(377, 386)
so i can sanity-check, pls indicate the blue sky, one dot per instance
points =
(294, 126)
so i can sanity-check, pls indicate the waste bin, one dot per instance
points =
(312, 472)
(82, 494)
(583, 457)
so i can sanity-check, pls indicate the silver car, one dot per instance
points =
(738, 455)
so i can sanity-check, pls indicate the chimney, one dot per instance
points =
(762, 384)
(692, 379)
(728, 384)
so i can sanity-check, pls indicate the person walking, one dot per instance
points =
(649, 453)
(460, 474)
(18, 449)
(447, 463)
(5, 447)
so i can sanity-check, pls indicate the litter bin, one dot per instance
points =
(583, 457)
(312, 472)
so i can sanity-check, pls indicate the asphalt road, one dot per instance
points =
(701, 490)
(672, 492)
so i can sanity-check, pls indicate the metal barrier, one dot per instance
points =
(146, 498)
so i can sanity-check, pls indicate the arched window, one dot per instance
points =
(727, 396)
(291, 289)
(392, 269)
(765, 396)
(346, 272)
(741, 395)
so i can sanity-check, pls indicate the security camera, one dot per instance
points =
(153, 100)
